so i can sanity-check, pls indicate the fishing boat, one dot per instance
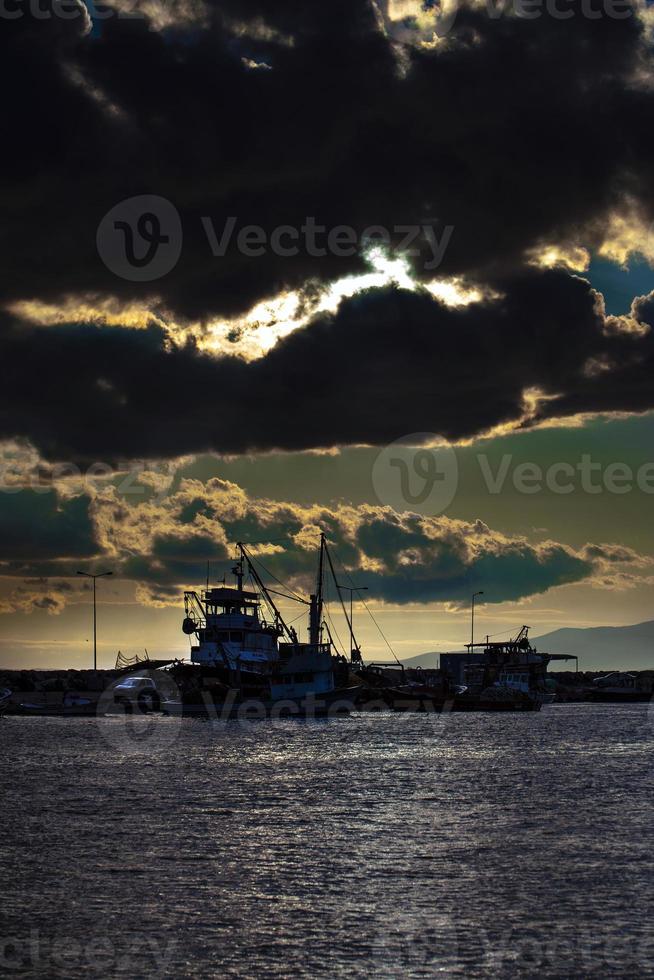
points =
(245, 658)
(508, 676)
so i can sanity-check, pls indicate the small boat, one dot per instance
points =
(72, 706)
(5, 699)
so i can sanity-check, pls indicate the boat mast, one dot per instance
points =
(316, 600)
(354, 646)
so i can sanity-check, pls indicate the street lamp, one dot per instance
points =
(472, 621)
(352, 590)
(95, 637)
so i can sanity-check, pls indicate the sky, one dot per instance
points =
(378, 268)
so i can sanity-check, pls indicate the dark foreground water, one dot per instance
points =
(376, 845)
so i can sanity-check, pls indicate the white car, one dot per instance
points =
(141, 692)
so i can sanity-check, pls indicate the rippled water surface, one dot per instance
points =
(374, 845)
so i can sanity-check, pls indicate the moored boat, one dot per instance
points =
(511, 676)
(508, 676)
(72, 706)
(245, 658)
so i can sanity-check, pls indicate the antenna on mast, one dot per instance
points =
(238, 567)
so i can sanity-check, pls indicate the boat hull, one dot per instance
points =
(402, 701)
(620, 697)
(53, 711)
(338, 701)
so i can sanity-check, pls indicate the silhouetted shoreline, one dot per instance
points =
(571, 687)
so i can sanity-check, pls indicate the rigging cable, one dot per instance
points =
(330, 619)
(300, 616)
(332, 625)
(381, 632)
(279, 582)
(269, 605)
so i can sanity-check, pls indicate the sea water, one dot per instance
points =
(382, 844)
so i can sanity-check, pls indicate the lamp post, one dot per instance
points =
(95, 634)
(352, 590)
(472, 619)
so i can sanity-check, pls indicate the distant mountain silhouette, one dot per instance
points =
(623, 647)
(618, 647)
(425, 660)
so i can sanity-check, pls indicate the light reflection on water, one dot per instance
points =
(383, 845)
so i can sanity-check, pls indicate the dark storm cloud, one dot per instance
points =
(388, 363)
(513, 131)
(519, 572)
(177, 114)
